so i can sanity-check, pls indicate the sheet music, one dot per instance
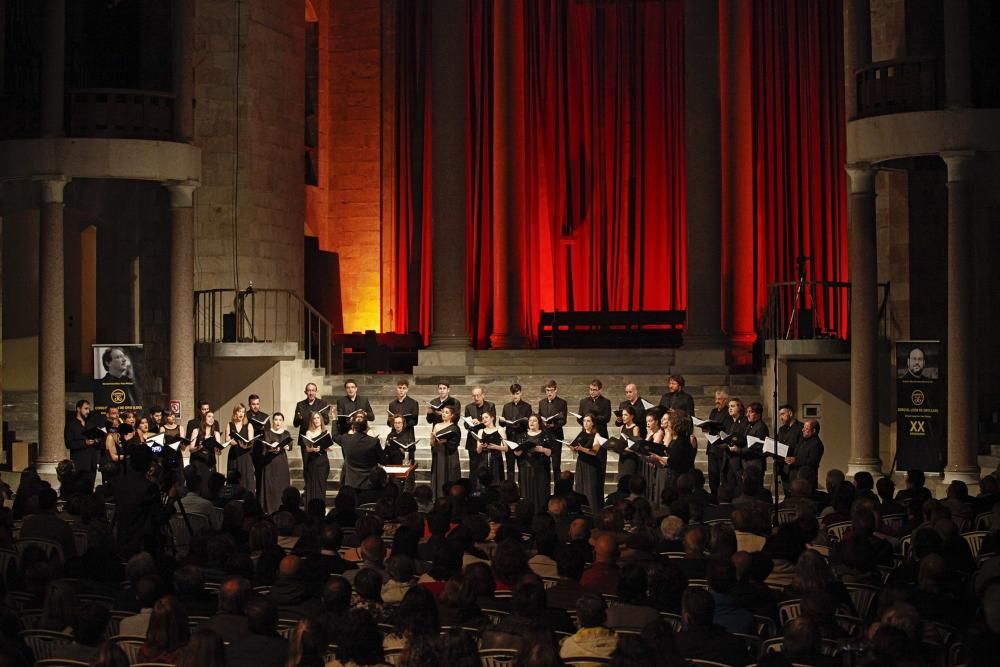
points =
(712, 439)
(697, 422)
(646, 404)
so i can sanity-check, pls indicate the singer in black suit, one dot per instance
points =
(597, 405)
(676, 398)
(83, 451)
(305, 408)
(514, 420)
(349, 404)
(717, 452)
(404, 407)
(553, 412)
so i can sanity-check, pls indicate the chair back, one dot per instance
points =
(495, 615)
(43, 642)
(863, 596)
(787, 515)
(974, 539)
(51, 549)
(9, 559)
(789, 610)
(835, 531)
(497, 657)
(81, 539)
(130, 645)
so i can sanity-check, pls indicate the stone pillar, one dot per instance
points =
(182, 66)
(53, 67)
(957, 65)
(857, 49)
(963, 462)
(736, 51)
(702, 155)
(862, 263)
(51, 325)
(182, 379)
(448, 70)
(508, 174)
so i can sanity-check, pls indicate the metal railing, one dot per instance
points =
(897, 86)
(266, 316)
(808, 309)
(117, 113)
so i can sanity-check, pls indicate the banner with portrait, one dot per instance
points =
(920, 396)
(118, 374)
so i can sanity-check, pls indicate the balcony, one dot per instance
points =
(111, 113)
(897, 86)
(100, 113)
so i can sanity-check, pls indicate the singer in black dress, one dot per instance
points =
(204, 455)
(315, 460)
(628, 461)
(445, 438)
(534, 465)
(241, 448)
(274, 475)
(591, 463)
(491, 448)
(400, 449)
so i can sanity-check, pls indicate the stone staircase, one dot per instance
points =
(20, 411)
(495, 370)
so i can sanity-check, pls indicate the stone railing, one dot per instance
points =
(897, 86)
(120, 114)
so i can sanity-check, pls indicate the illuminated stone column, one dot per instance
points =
(182, 379)
(864, 320)
(963, 464)
(51, 324)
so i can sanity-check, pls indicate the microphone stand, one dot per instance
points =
(774, 415)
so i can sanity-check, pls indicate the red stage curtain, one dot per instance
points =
(412, 297)
(605, 172)
(799, 150)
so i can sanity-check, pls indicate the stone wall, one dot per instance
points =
(249, 125)
(353, 220)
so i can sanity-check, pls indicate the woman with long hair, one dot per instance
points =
(490, 446)
(206, 649)
(445, 438)
(168, 631)
(239, 442)
(628, 459)
(315, 460)
(203, 448)
(307, 645)
(591, 462)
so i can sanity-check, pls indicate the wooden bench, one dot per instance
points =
(649, 328)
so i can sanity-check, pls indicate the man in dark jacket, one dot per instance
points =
(263, 646)
(808, 452)
(703, 640)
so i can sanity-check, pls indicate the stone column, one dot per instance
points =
(51, 324)
(702, 154)
(957, 65)
(864, 320)
(182, 379)
(448, 71)
(857, 49)
(53, 67)
(963, 462)
(182, 66)
(736, 50)
(508, 174)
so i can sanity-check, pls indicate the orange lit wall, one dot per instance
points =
(344, 210)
